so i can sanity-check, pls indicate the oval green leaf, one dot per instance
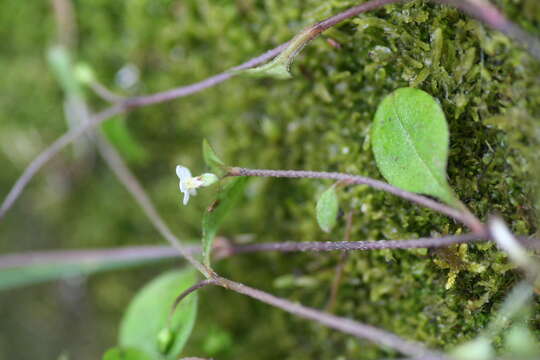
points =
(119, 353)
(410, 144)
(147, 315)
(327, 209)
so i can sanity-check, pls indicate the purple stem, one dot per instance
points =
(161, 252)
(464, 217)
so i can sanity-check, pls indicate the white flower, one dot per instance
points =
(188, 184)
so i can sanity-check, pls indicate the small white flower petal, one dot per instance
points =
(186, 197)
(183, 172)
(192, 192)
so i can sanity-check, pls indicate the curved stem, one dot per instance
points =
(185, 293)
(52, 151)
(467, 218)
(345, 325)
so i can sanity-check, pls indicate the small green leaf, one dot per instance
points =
(215, 164)
(147, 315)
(327, 209)
(213, 218)
(118, 353)
(410, 144)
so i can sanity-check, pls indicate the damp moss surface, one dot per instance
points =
(487, 85)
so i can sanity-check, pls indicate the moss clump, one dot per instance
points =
(319, 120)
(323, 116)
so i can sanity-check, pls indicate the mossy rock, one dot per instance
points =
(319, 120)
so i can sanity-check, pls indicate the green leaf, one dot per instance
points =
(148, 312)
(327, 209)
(119, 353)
(213, 218)
(118, 134)
(410, 144)
(215, 164)
(25, 269)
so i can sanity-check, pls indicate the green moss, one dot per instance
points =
(319, 120)
(324, 117)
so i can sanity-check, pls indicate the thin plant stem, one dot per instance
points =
(466, 218)
(53, 150)
(186, 292)
(323, 246)
(163, 252)
(345, 325)
(131, 253)
(214, 80)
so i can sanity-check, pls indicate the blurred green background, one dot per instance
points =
(319, 120)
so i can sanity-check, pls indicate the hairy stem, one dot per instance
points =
(225, 251)
(309, 246)
(464, 217)
(348, 326)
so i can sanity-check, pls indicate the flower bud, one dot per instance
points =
(208, 179)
